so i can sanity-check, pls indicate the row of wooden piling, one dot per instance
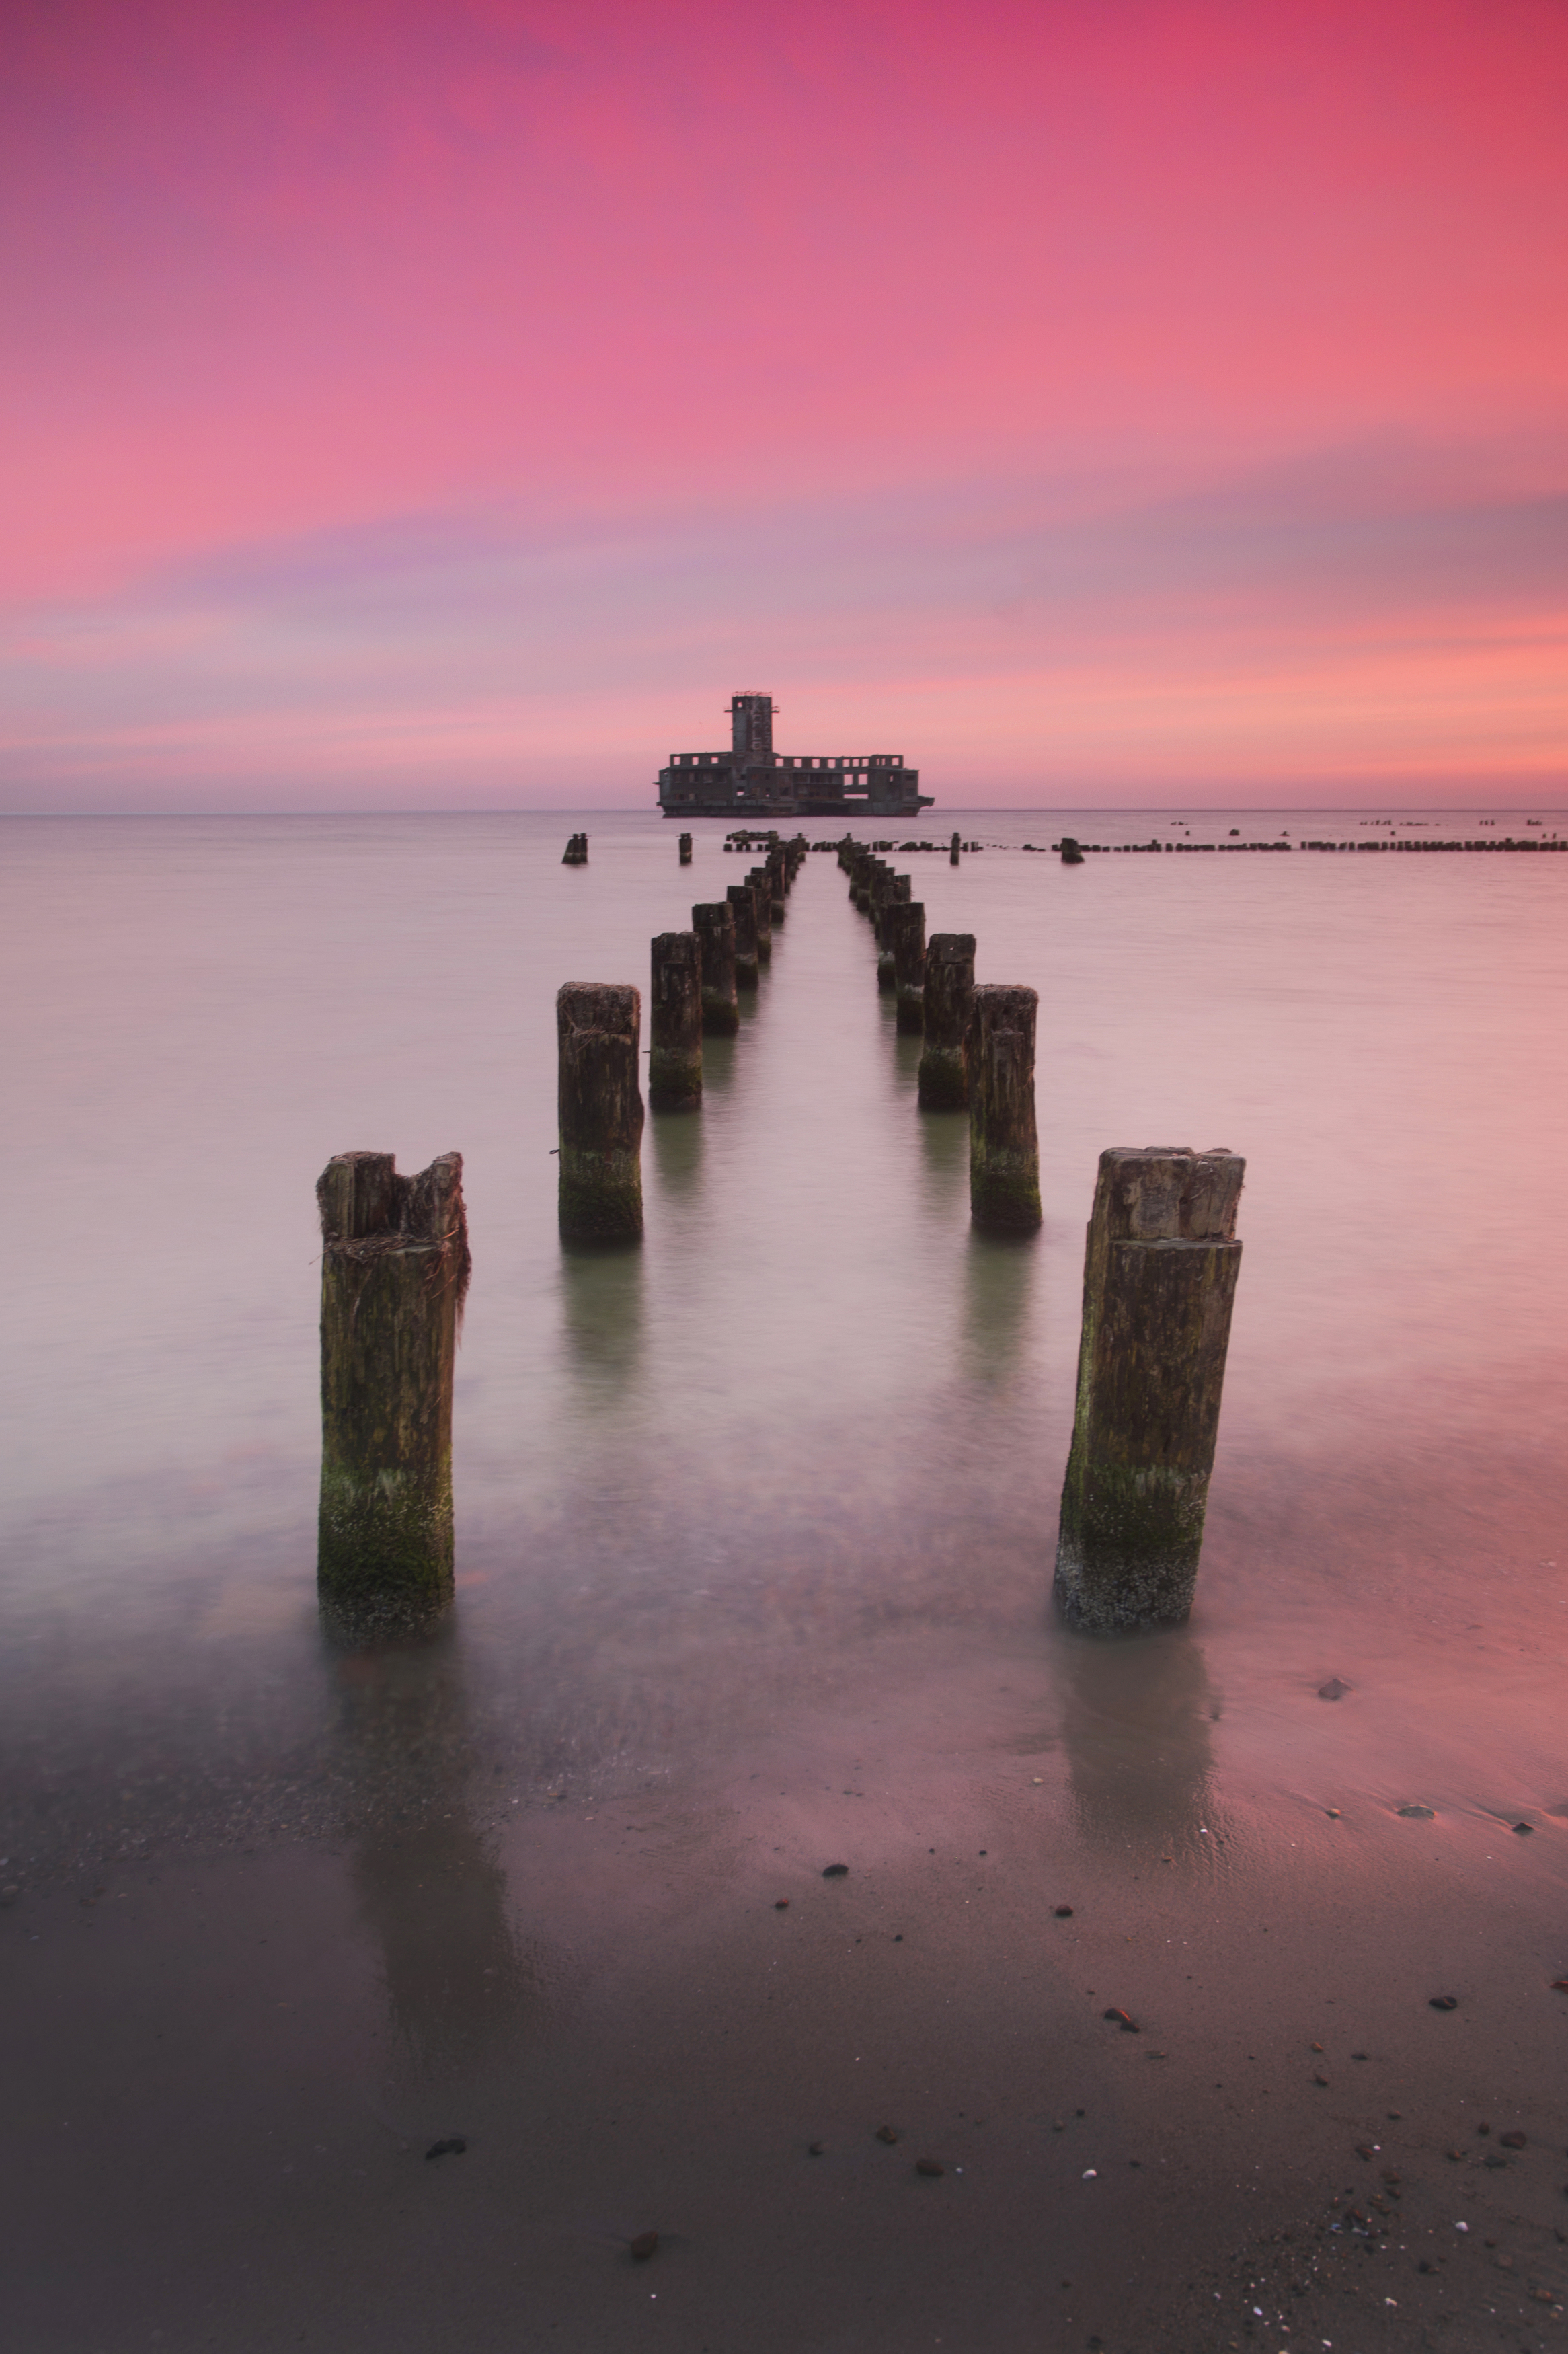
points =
(1161, 1265)
(978, 1050)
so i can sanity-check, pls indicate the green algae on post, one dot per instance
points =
(597, 1030)
(395, 1268)
(905, 922)
(1159, 1278)
(1004, 1148)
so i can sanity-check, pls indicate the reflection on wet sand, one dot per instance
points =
(427, 1881)
(1134, 1719)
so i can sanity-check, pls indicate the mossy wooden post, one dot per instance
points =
(1004, 1148)
(743, 905)
(953, 852)
(762, 892)
(599, 1030)
(864, 870)
(394, 1267)
(685, 850)
(905, 921)
(1160, 1278)
(675, 1023)
(713, 925)
(777, 884)
(943, 1084)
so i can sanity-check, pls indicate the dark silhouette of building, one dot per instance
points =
(752, 777)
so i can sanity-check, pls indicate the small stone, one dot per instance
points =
(931, 2166)
(1444, 2001)
(644, 2245)
(1128, 2026)
(781, 1905)
(1321, 2081)
(454, 2148)
(1316, 2047)
(1512, 2140)
(1425, 2267)
(887, 2134)
(1332, 1690)
(836, 1871)
(1364, 2149)
(1493, 2160)
(1524, 1829)
(1064, 1911)
(814, 2149)
(1333, 1813)
(1417, 1814)
(1457, 2155)
(1358, 2056)
(1543, 2295)
(1560, 1986)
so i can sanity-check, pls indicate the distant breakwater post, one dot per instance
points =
(1004, 1146)
(893, 892)
(576, 852)
(778, 885)
(1160, 1278)
(599, 1030)
(395, 1269)
(714, 924)
(675, 1023)
(906, 924)
(742, 899)
(953, 851)
(946, 1002)
(685, 850)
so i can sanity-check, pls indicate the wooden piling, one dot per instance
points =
(742, 899)
(598, 1032)
(950, 989)
(905, 921)
(762, 891)
(576, 852)
(675, 1023)
(394, 1267)
(896, 895)
(685, 850)
(777, 885)
(1004, 1148)
(953, 852)
(713, 925)
(1159, 1278)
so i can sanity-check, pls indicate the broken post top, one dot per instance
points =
(679, 949)
(368, 1210)
(1168, 1193)
(950, 947)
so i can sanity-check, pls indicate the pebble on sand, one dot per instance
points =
(929, 2166)
(1444, 2001)
(644, 2245)
(1128, 2026)
(889, 2134)
(836, 1871)
(1064, 1911)
(455, 2148)
(1524, 1829)
(814, 2149)
(1417, 1814)
(1512, 2140)
(1332, 1690)
(781, 1905)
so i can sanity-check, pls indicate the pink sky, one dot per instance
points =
(417, 404)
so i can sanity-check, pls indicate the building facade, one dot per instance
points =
(752, 779)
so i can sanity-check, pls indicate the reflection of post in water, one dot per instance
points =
(1135, 1723)
(675, 1147)
(999, 1278)
(427, 1880)
(601, 1308)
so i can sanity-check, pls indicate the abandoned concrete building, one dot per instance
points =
(752, 777)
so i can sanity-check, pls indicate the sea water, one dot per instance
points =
(761, 1516)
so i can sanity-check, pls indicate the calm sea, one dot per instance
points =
(771, 1504)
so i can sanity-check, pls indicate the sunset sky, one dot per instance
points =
(1099, 401)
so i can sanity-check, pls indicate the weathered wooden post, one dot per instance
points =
(1160, 1278)
(743, 905)
(863, 869)
(394, 1267)
(576, 852)
(1004, 1148)
(776, 884)
(943, 1084)
(598, 1033)
(905, 921)
(713, 925)
(685, 850)
(762, 891)
(896, 895)
(675, 1023)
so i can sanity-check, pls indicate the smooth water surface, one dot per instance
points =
(772, 1501)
